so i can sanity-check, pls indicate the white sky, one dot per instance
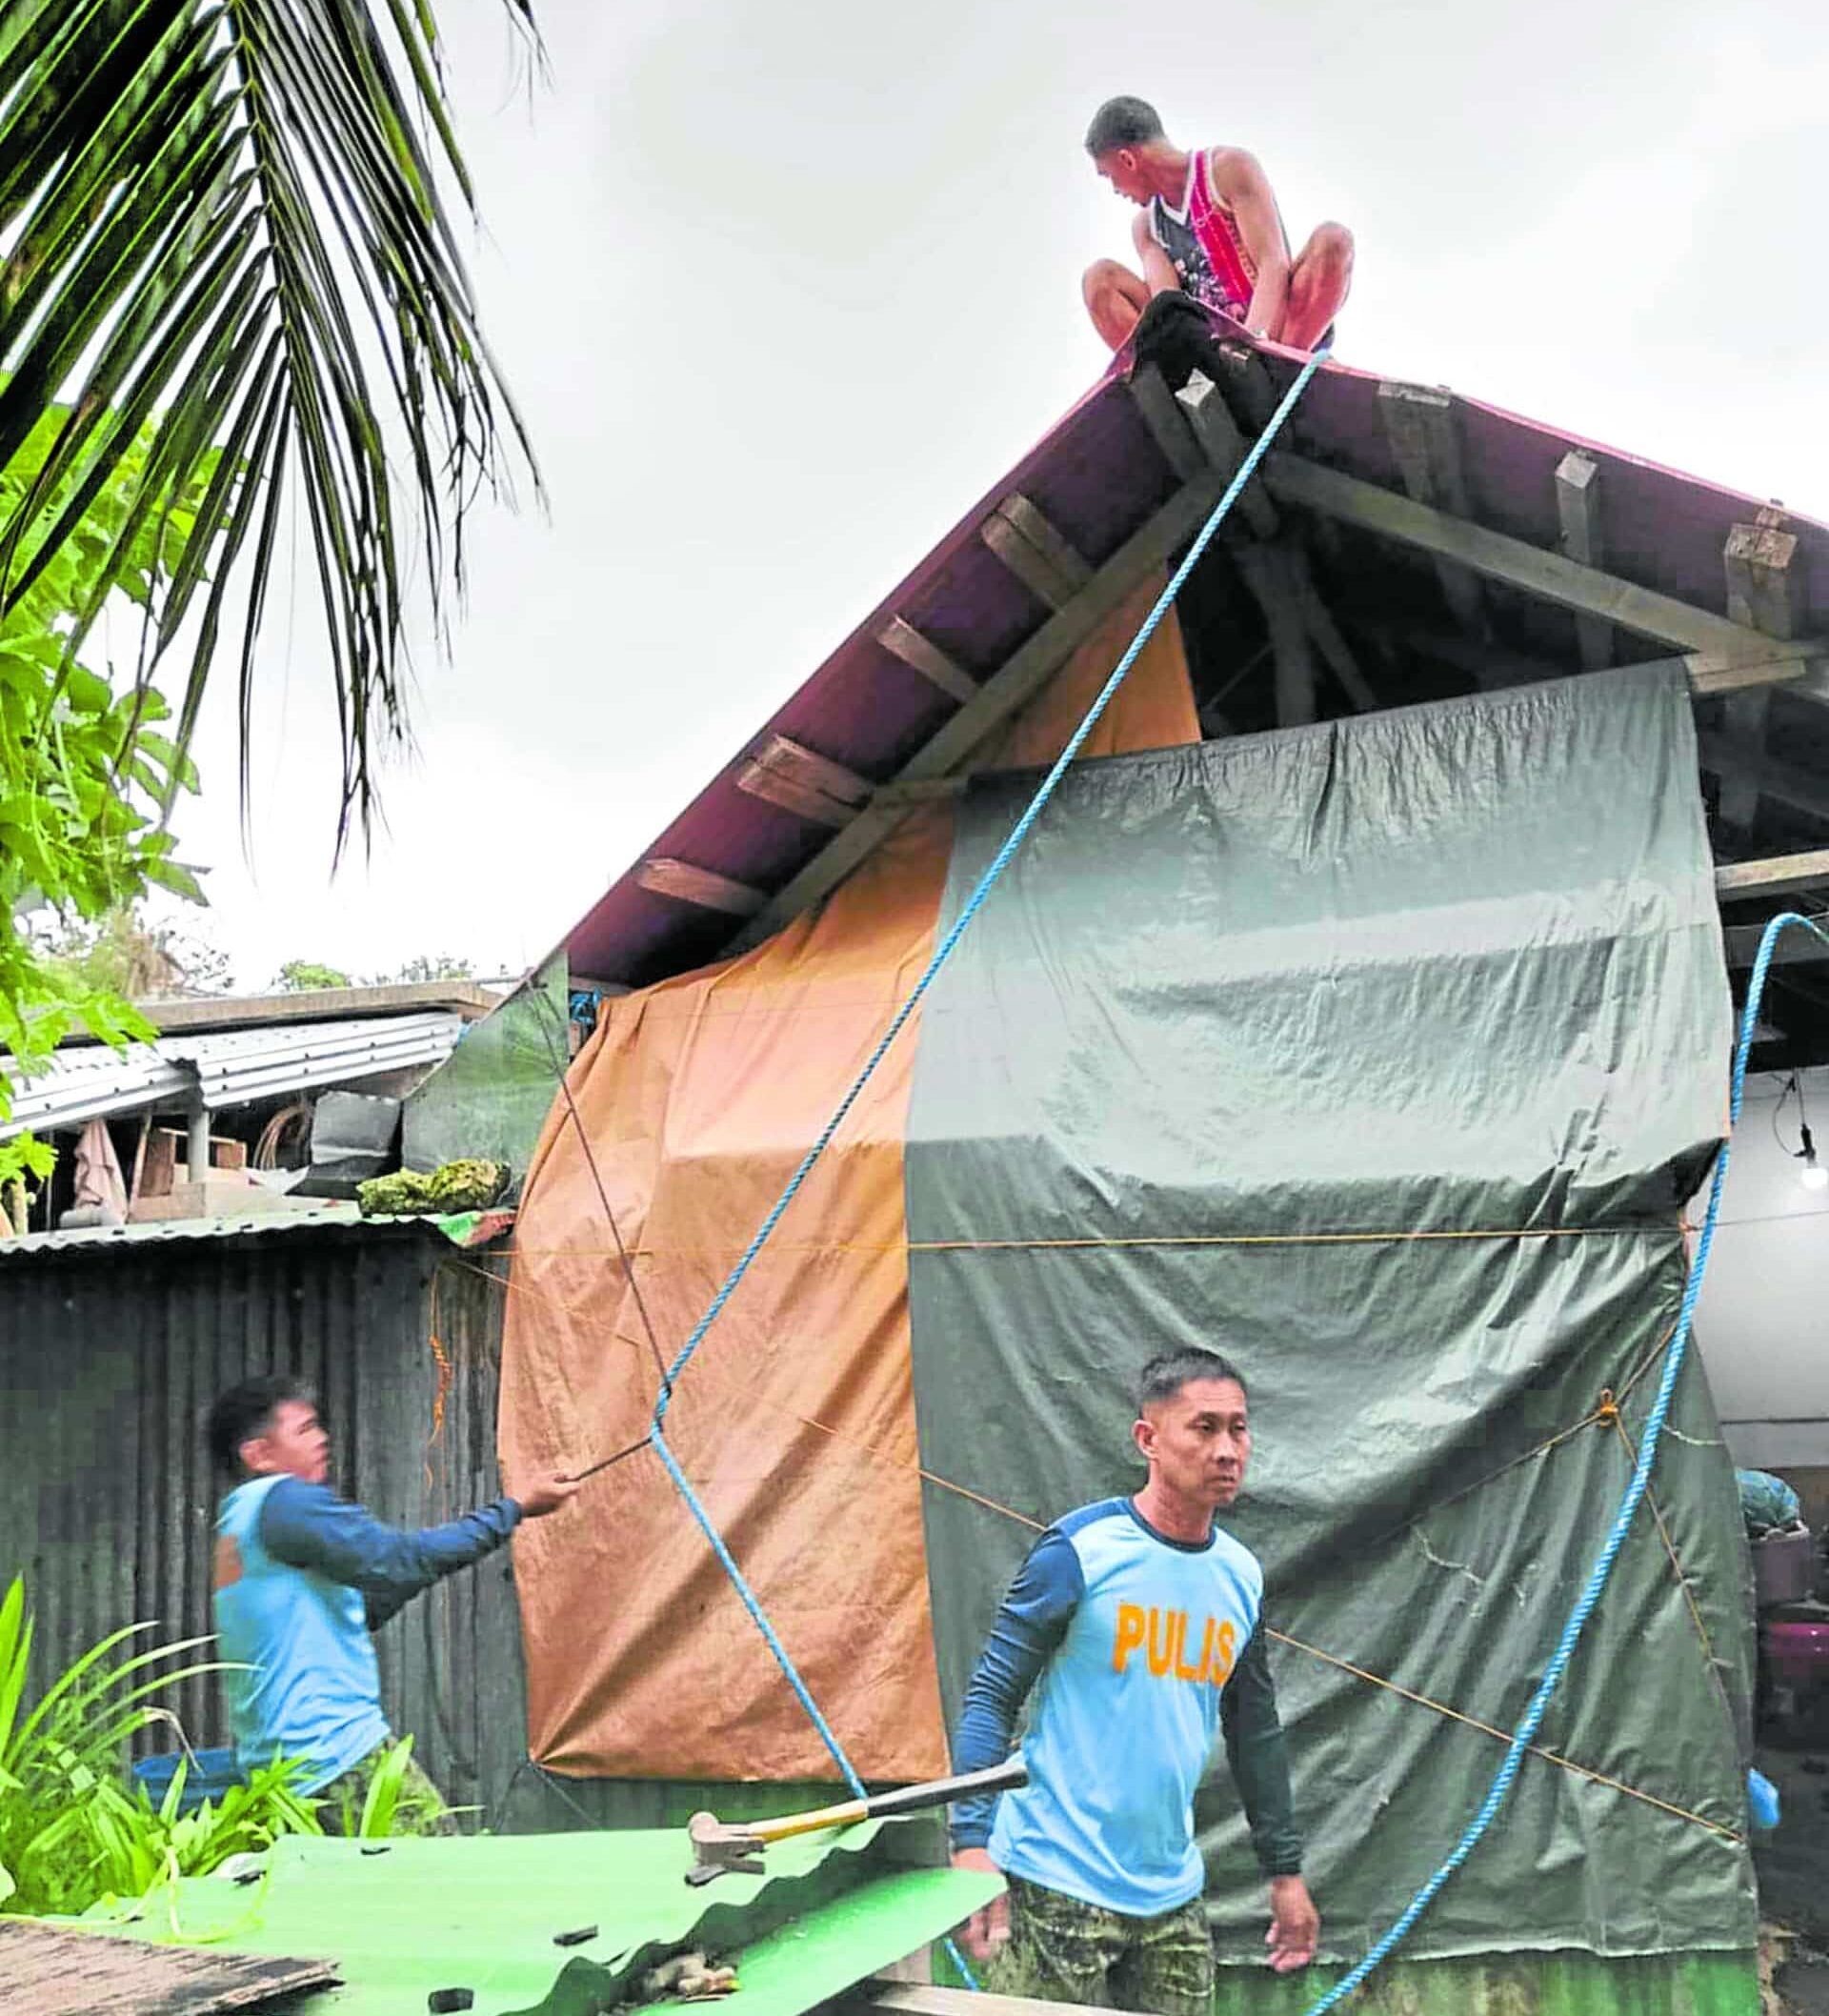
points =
(782, 285)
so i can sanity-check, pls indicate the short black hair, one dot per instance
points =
(1169, 1371)
(244, 1411)
(1122, 122)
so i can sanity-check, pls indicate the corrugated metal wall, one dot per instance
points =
(109, 1360)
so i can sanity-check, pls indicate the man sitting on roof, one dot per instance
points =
(1208, 225)
(302, 1576)
(1136, 1623)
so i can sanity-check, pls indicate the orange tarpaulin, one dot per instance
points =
(795, 1419)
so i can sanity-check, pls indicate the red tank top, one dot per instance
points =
(1203, 245)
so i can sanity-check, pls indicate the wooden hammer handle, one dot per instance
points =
(909, 1799)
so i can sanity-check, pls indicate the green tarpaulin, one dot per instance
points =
(1378, 1056)
(489, 1097)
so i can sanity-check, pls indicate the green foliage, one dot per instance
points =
(84, 771)
(467, 1184)
(234, 210)
(419, 970)
(385, 1788)
(70, 1832)
(303, 975)
(127, 953)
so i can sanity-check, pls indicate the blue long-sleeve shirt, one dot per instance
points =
(302, 1576)
(310, 1526)
(1137, 1650)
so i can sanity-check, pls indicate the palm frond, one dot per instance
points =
(229, 212)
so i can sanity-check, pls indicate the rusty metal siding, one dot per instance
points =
(109, 1358)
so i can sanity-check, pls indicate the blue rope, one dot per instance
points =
(973, 904)
(1531, 1718)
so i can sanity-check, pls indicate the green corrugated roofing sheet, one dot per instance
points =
(484, 1914)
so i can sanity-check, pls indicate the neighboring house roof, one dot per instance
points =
(230, 1068)
(294, 1221)
(171, 1015)
(1456, 545)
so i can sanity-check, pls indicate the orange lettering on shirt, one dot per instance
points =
(1219, 1667)
(228, 1562)
(1161, 1640)
(1182, 1670)
(1203, 1670)
(1130, 1634)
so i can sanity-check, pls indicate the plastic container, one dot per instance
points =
(1796, 1652)
(1784, 1566)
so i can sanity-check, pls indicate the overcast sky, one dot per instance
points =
(783, 287)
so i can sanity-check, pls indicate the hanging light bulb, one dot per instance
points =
(1813, 1175)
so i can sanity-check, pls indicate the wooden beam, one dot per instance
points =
(798, 779)
(1264, 566)
(1780, 874)
(1039, 556)
(1168, 423)
(1419, 424)
(1743, 720)
(920, 653)
(1578, 505)
(1326, 632)
(1293, 479)
(1796, 948)
(661, 876)
(1764, 586)
(1223, 444)
(1012, 686)
(1764, 590)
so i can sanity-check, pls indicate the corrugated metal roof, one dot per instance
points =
(463, 1228)
(1099, 476)
(227, 1068)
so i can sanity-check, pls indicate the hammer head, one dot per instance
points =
(718, 1847)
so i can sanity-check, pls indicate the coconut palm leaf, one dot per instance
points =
(229, 212)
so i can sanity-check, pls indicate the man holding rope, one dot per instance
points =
(1135, 1625)
(303, 1577)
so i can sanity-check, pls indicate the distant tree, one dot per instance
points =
(303, 975)
(416, 972)
(125, 953)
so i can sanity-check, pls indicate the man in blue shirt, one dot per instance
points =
(302, 1576)
(1135, 1625)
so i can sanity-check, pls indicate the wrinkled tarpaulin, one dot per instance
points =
(1451, 970)
(700, 1096)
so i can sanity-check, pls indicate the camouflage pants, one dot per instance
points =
(1062, 1950)
(419, 1811)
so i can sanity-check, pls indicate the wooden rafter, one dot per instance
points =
(1764, 590)
(1780, 874)
(1015, 683)
(1033, 548)
(1168, 422)
(662, 875)
(784, 772)
(920, 653)
(1425, 440)
(1554, 577)
(1578, 496)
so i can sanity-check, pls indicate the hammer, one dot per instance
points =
(718, 1847)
